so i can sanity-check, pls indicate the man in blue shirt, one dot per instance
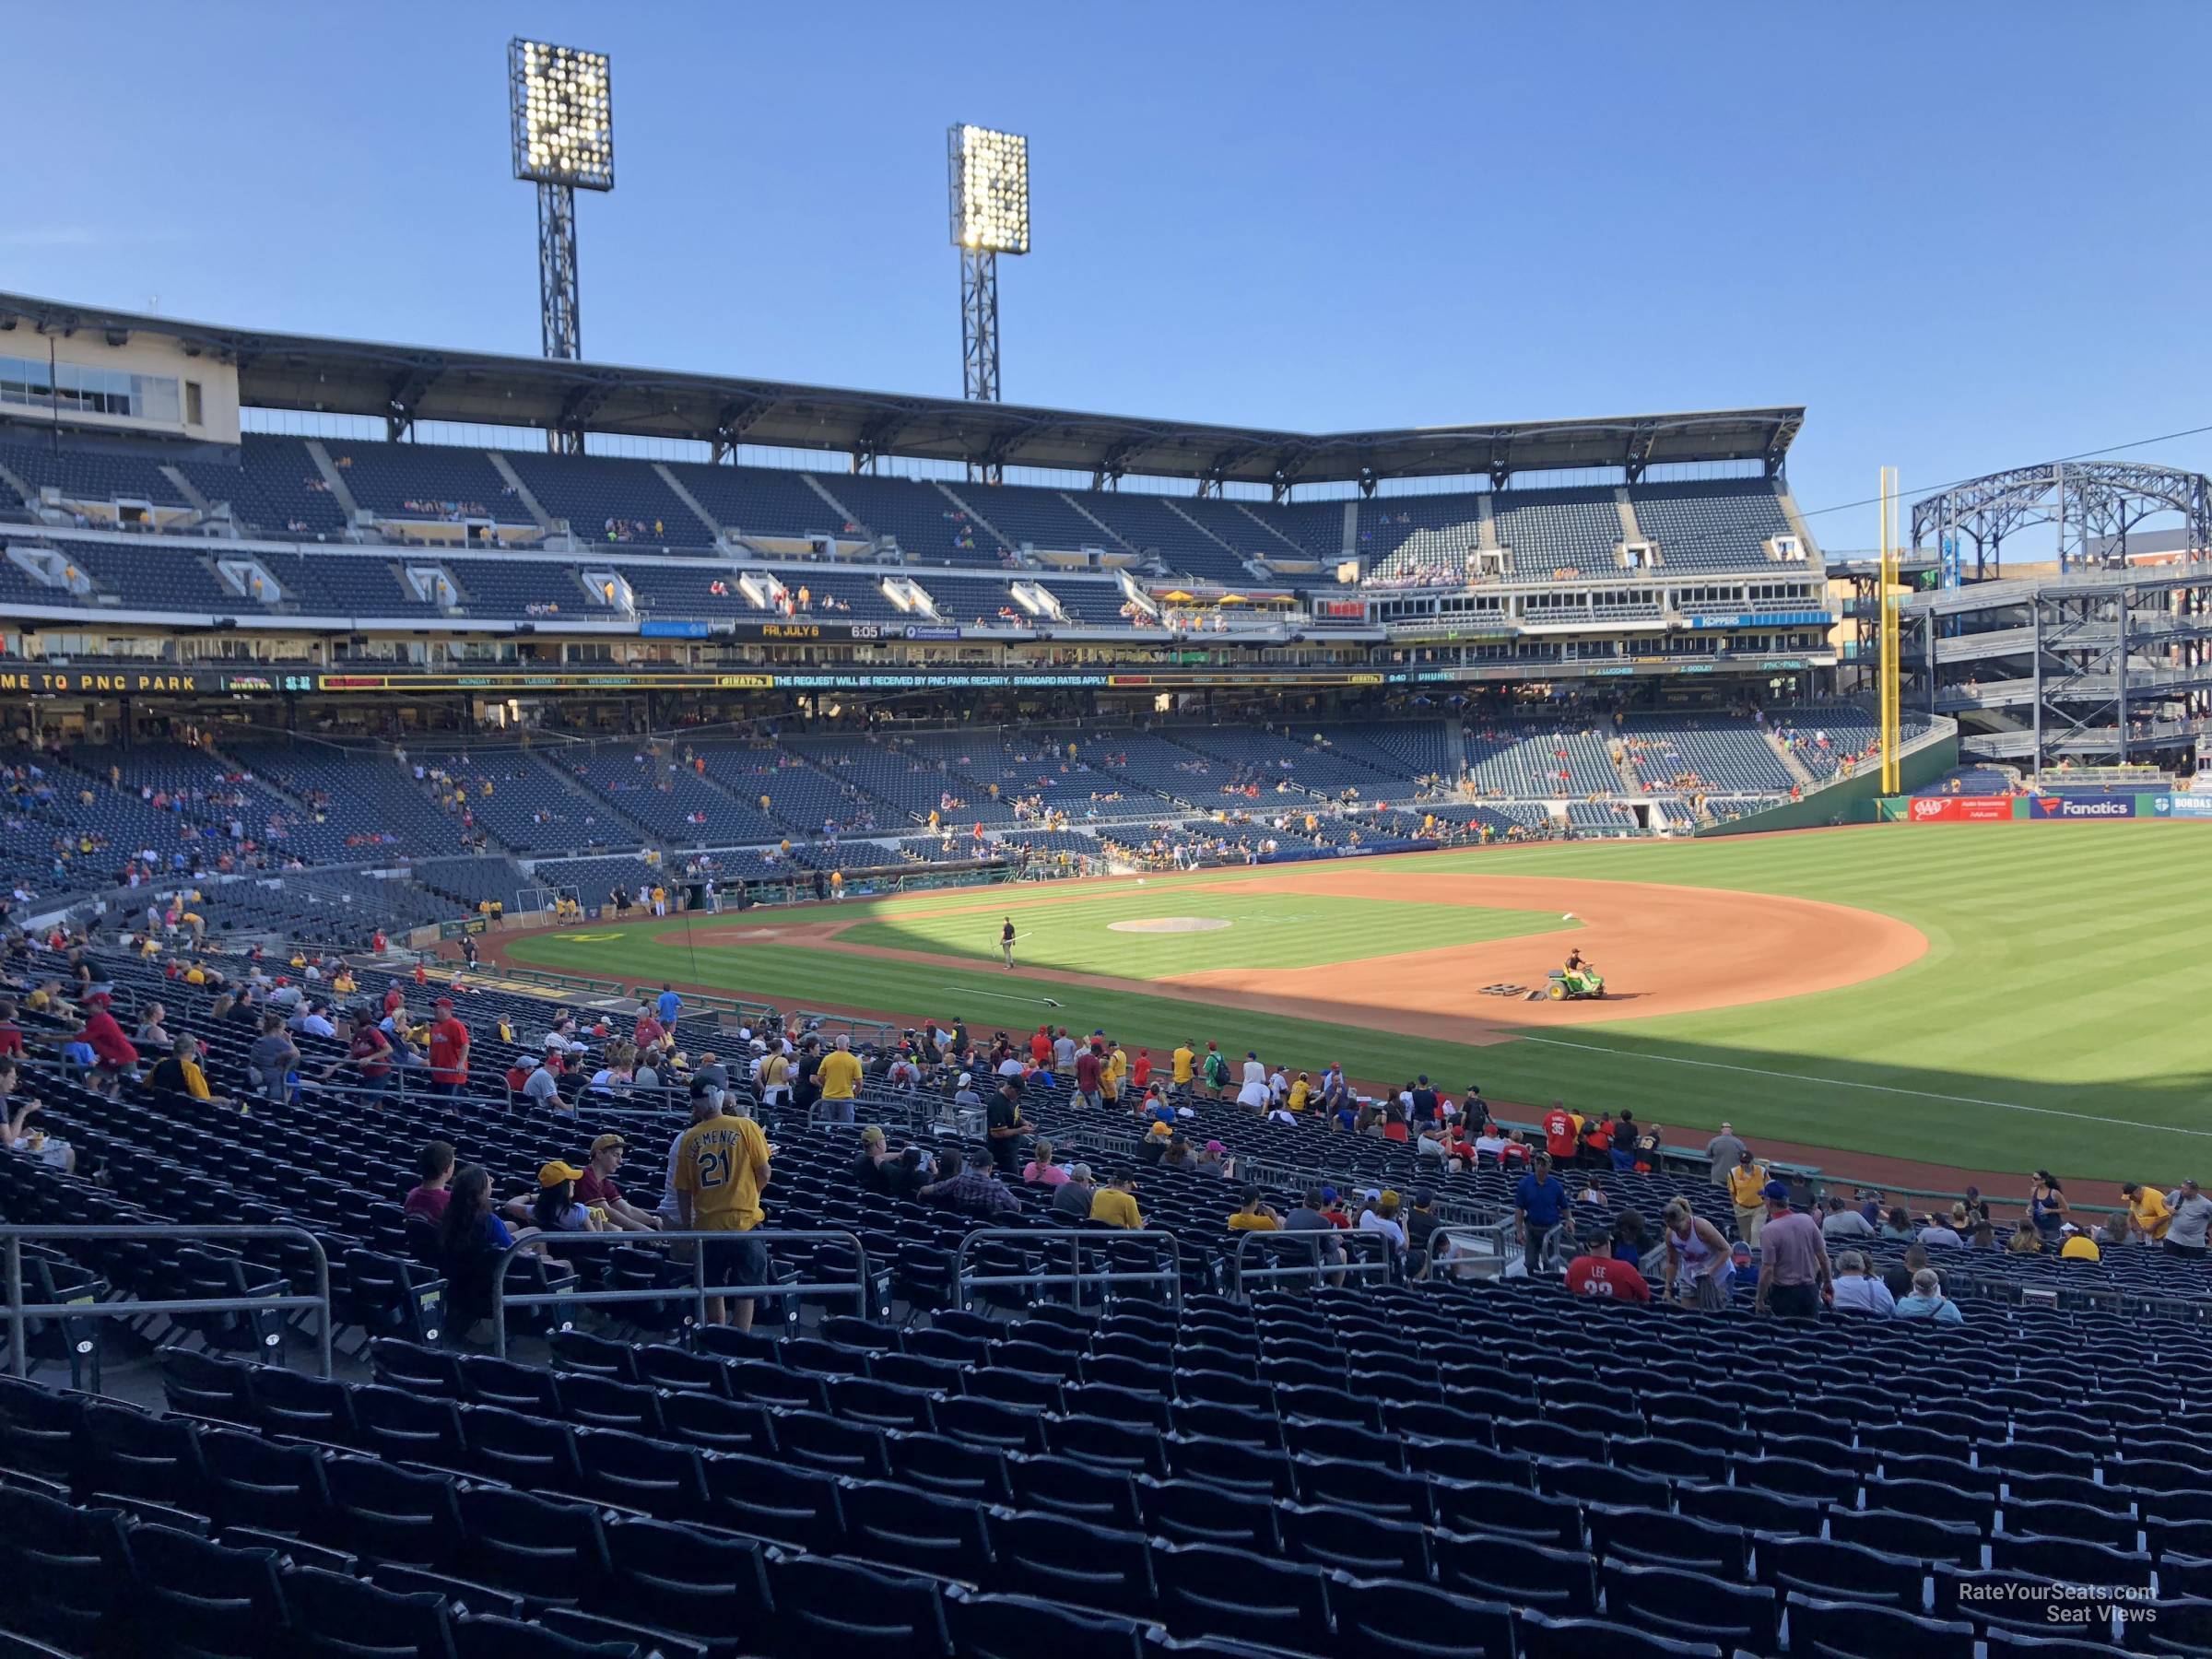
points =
(1539, 1205)
(668, 1005)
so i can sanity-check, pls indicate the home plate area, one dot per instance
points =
(1169, 925)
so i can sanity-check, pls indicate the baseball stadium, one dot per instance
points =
(653, 1011)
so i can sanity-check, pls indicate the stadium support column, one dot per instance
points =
(2035, 658)
(1891, 760)
(558, 295)
(978, 336)
(2120, 677)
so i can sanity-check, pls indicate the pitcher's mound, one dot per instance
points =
(1169, 925)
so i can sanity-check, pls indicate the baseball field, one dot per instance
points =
(1987, 997)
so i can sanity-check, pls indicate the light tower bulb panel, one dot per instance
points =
(990, 190)
(563, 115)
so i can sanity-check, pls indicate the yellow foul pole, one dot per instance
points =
(1891, 759)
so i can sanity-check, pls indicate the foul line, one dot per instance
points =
(1921, 1094)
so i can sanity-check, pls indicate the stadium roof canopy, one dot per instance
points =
(402, 384)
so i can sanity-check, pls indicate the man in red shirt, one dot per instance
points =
(449, 1050)
(1559, 1133)
(1090, 1070)
(11, 1034)
(1602, 1275)
(1140, 1072)
(115, 1050)
(394, 999)
(648, 1030)
(1040, 1047)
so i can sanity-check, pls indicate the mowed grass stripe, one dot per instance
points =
(2059, 976)
(1264, 930)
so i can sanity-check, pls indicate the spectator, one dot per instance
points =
(596, 1188)
(1794, 1269)
(2047, 1205)
(555, 1209)
(1700, 1267)
(1115, 1203)
(1539, 1205)
(1897, 1276)
(1383, 1219)
(1421, 1223)
(1726, 1152)
(2146, 1213)
(1747, 1182)
(906, 1175)
(1592, 1274)
(871, 1164)
(449, 1051)
(1003, 1127)
(471, 1239)
(1898, 1225)
(839, 1076)
(1858, 1290)
(112, 1053)
(178, 1072)
(150, 1032)
(1928, 1301)
(541, 1087)
(1841, 1222)
(271, 1059)
(1041, 1170)
(432, 1190)
(974, 1190)
(1253, 1215)
(16, 1113)
(2079, 1247)
(721, 1167)
(1072, 1201)
(1934, 1231)
(2189, 1219)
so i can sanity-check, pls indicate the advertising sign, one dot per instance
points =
(2080, 807)
(1959, 809)
(2180, 806)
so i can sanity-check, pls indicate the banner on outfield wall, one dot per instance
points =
(2179, 806)
(1364, 850)
(2081, 806)
(1959, 809)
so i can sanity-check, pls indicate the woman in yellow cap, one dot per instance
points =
(556, 1209)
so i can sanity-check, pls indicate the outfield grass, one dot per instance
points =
(1265, 930)
(2055, 1020)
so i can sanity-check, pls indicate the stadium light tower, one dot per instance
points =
(560, 108)
(988, 175)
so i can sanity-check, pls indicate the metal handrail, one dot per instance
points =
(1494, 1234)
(1170, 1275)
(701, 1290)
(20, 1313)
(1318, 1241)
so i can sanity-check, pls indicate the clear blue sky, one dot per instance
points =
(1966, 236)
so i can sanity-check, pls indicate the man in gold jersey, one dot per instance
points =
(721, 1167)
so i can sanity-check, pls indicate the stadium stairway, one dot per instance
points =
(597, 800)
(961, 501)
(684, 495)
(1788, 757)
(500, 464)
(334, 475)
